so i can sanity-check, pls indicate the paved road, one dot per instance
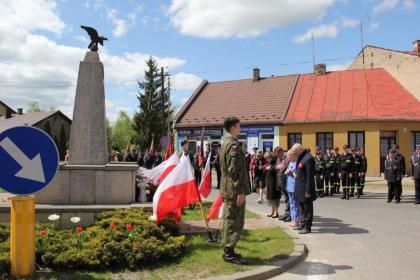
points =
(359, 239)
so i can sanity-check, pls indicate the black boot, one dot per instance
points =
(230, 256)
(327, 191)
(352, 193)
(344, 195)
(347, 194)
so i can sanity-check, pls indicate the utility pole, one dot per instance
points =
(362, 43)
(313, 50)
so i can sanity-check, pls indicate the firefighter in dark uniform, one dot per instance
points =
(353, 173)
(401, 159)
(358, 167)
(319, 173)
(415, 159)
(362, 175)
(335, 170)
(327, 174)
(346, 171)
(393, 173)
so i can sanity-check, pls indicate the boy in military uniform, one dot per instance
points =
(233, 189)
(346, 170)
(319, 173)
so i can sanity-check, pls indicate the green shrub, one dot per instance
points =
(103, 246)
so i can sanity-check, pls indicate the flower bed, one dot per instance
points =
(119, 239)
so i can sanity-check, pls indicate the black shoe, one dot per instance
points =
(343, 197)
(300, 227)
(288, 219)
(305, 231)
(397, 201)
(417, 202)
(352, 194)
(358, 195)
(388, 201)
(230, 256)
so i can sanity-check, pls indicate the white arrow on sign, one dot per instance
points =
(31, 168)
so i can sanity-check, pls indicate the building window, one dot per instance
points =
(324, 140)
(293, 138)
(356, 139)
(415, 140)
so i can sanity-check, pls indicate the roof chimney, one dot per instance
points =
(19, 111)
(416, 46)
(256, 74)
(320, 69)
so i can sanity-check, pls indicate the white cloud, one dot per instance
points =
(121, 25)
(185, 81)
(241, 18)
(349, 22)
(374, 25)
(34, 67)
(321, 31)
(339, 67)
(409, 5)
(385, 5)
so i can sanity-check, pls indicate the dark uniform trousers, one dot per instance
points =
(319, 184)
(417, 188)
(345, 180)
(307, 212)
(393, 190)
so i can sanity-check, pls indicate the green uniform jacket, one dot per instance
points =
(234, 180)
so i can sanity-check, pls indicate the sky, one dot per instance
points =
(41, 42)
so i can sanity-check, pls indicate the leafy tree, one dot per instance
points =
(33, 106)
(109, 129)
(154, 115)
(123, 131)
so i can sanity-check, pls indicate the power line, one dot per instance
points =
(278, 65)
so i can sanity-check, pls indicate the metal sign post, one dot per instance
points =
(29, 162)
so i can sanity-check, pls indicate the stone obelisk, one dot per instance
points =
(88, 177)
(88, 142)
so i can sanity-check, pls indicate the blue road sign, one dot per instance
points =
(28, 160)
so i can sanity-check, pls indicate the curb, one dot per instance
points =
(271, 269)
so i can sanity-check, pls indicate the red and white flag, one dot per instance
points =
(205, 185)
(176, 191)
(216, 210)
(169, 148)
(169, 166)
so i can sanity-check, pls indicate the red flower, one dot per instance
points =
(79, 229)
(112, 226)
(300, 165)
(129, 227)
(43, 232)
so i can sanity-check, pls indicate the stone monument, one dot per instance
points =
(88, 178)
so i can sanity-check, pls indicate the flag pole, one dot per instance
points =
(211, 240)
(217, 231)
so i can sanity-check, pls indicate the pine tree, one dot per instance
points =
(62, 143)
(154, 116)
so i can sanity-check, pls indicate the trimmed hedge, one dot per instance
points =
(119, 239)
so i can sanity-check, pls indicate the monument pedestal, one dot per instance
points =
(91, 184)
(89, 178)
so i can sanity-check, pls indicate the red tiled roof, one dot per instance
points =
(351, 95)
(254, 102)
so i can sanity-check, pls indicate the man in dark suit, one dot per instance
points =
(416, 173)
(305, 186)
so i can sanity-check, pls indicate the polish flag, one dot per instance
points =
(170, 148)
(216, 210)
(169, 166)
(157, 172)
(205, 186)
(176, 191)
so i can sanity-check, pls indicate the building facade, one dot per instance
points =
(360, 108)
(404, 66)
(260, 104)
(55, 123)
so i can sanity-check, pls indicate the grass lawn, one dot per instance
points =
(195, 214)
(1, 190)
